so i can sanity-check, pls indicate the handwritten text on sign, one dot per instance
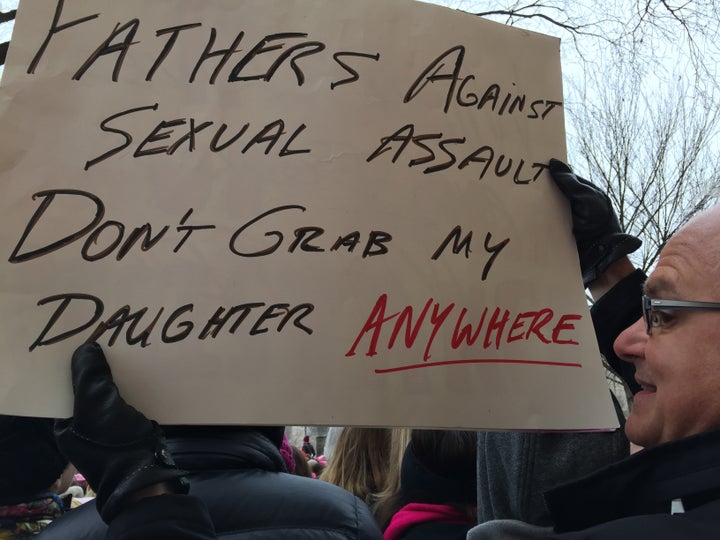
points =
(267, 199)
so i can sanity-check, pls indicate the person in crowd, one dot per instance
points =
(34, 475)
(322, 462)
(288, 454)
(301, 463)
(316, 467)
(666, 353)
(199, 483)
(360, 461)
(437, 495)
(385, 502)
(308, 448)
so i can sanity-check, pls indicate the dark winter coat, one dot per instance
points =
(636, 498)
(240, 477)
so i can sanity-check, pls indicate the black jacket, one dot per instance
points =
(239, 475)
(634, 498)
(167, 517)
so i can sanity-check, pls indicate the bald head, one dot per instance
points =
(708, 220)
(696, 245)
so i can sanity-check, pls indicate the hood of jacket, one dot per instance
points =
(228, 449)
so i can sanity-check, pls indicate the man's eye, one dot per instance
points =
(661, 319)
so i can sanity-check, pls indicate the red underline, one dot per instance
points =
(477, 361)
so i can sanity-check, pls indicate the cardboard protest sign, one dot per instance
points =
(293, 212)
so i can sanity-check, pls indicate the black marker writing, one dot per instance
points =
(303, 238)
(95, 229)
(485, 156)
(459, 245)
(491, 98)
(257, 60)
(169, 136)
(139, 327)
(354, 75)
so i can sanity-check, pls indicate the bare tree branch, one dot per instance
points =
(652, 155)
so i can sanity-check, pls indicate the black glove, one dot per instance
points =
(600, 240)
(113, 445)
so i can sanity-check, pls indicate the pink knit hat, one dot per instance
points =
(287, 454)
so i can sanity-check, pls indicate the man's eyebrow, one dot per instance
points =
(658, 286)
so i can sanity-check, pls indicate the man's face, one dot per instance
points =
(678, 366)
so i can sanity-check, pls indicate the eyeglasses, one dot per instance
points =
(651, 307)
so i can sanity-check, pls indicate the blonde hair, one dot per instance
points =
(361, 462)
(399, 439)
(383, 503)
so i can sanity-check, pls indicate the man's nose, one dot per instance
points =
(630, 344)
